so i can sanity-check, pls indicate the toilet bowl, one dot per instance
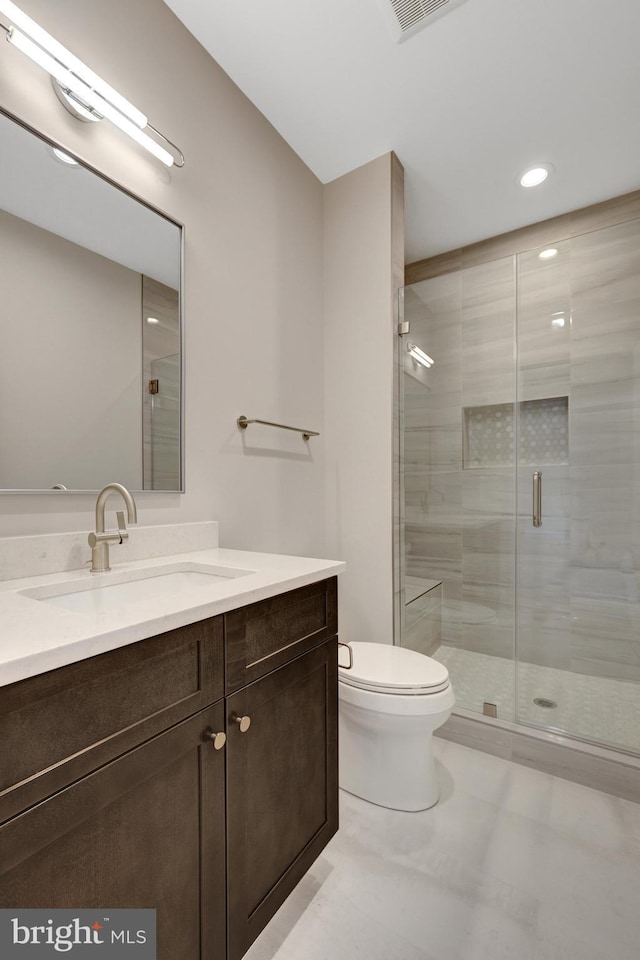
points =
(390, 702)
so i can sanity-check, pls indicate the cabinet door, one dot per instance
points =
(282, 787)
(97, 709)
(146, 830)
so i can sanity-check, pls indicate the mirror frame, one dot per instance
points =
(54, 143)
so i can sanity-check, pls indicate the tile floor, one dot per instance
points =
(596, 708)
(512, 863)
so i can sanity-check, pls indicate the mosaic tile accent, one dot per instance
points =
(544, 431)
(489, 433)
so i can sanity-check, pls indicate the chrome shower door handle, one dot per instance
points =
(537, 498)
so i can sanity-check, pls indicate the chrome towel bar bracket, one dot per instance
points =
(243, 423)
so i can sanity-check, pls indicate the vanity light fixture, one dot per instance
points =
(152, 320)
(85, 94)
(419, 355)
(548, 254)
(534, 176)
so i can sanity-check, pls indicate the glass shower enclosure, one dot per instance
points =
(519, 419)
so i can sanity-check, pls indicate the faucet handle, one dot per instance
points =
(122, 526)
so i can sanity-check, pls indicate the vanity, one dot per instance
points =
(168, 729)
(193, 770)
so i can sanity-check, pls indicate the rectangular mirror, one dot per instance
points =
(91, 358)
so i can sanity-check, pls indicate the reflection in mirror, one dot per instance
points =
(90, 366)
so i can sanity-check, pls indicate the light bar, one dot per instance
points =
(419, 355)
(124, 124)
(82, 91)
(48, 43)
(86, 95)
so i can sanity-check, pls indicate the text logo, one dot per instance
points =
(80, 934)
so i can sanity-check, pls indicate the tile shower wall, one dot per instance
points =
(432, 446)
(460, 523)
(605, 458)
(576, 321)
(488, 495)
(543, 618)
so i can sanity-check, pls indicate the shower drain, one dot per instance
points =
(544, 702)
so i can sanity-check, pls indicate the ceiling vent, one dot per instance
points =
(408, 16)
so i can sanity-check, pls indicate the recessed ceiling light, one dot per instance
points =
(535, 175)
(548, 254)
(64, 157)
(152, 320)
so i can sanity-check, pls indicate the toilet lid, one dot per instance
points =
(384, 668)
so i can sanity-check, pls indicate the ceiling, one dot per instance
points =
(486, 89)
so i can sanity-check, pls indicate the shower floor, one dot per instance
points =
(596, 708)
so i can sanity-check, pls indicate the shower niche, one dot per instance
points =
(489, 433)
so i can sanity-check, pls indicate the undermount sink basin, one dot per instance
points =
(110, 591)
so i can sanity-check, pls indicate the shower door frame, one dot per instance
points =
(568, 227)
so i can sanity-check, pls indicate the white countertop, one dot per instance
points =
(36, 636)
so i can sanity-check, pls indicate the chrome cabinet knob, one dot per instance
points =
(218, 740)
(243, 722)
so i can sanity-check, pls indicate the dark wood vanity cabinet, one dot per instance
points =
(282, 772)
(282, 787)
(146, 830)
(112, 794)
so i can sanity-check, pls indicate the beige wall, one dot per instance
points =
(358, 292)
(253, 260)
(70, 398)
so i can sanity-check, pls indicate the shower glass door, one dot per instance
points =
(520, 483)
(543, 619)
(458, 427)
(578, 624)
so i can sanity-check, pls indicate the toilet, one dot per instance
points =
(390, 702)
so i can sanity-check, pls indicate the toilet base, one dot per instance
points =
(388, 760)
(390, 806)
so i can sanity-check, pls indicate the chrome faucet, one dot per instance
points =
(99, 541)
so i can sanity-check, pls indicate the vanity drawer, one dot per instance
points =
(57, 726)
(265, 635)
